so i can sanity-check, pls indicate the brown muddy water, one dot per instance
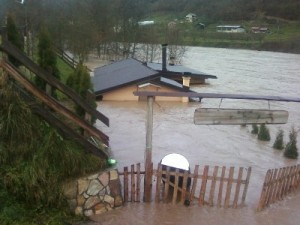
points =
(239, 72)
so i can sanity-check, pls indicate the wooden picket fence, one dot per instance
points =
(278, 184)
(216, 186)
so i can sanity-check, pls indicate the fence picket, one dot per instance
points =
(213, 186)
(125, 184)
(158, 183)
(238, 187)
(184, 186)
(132, 181)
(138, 182)
(221, 187)
(229, 185)
(195, 179)
(203, 185)
(167, 184)
(175, 191)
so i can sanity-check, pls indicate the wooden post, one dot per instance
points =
(148, 151)
(132, 179)
(125, 184)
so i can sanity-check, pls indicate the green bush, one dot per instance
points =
(34, 159)
(278, 144)
(254, 129)
(291, 150)
(263, 134)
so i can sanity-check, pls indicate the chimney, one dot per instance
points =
(164, 57)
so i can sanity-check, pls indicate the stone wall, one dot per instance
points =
(94, 194)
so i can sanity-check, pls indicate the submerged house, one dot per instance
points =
(118, 81)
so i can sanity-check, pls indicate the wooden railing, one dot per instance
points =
(88, 129)
(219, 186)
(278, 184)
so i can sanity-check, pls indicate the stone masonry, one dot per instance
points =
(95, 194)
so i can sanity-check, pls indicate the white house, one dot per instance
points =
(230, 29)
(191, 17)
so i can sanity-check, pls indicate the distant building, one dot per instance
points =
(191, 17)
(200, 26)
(230, 29)
(260, 30)
(146, 23)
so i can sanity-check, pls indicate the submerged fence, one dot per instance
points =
(212, 186)
(278, 184)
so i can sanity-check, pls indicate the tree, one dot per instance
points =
(291, 150)
(80, 81)
(14, 37)
(263, 134)
(278, 144)
(254, 129)
(46, 58)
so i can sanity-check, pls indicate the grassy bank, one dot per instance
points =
(282, 35)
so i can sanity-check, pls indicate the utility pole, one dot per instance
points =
(148, 151)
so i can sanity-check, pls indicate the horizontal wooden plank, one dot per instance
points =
(212, 116)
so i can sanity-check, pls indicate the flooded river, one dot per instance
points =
(239, 72)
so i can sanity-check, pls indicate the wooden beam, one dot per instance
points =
(215, 95)
(63, 127)
(211, 116)
(52, 103)
(10, 49)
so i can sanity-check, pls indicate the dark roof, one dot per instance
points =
(180, 70)
(120, 74)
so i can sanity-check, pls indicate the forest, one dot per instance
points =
(97, 24)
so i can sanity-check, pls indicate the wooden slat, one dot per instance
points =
(167, 185)
(246, 185)
(125, 184)
(132, 179)
(174, 199)
(229, 185)
(213, 186)
(158, 183)
(61, 125)
(138, 182)
(203, 185)
(277, 186)
(238, 187)
(194, 183)
(282, 183)
(221, 186)
(264, 192)
(216, 116)
(184, 186)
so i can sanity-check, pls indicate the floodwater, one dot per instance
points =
(239, 72)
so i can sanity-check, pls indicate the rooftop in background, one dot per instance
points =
(177, 71)
(120, 74)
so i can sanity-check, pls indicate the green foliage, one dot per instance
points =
(46, 57)
(80, 81)
(14, 37)
(254, 129)
(291, 150)
(278, 144)
(264, 133)
(34, 158)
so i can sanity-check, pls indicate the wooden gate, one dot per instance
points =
(212, 186)
(278, 184)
